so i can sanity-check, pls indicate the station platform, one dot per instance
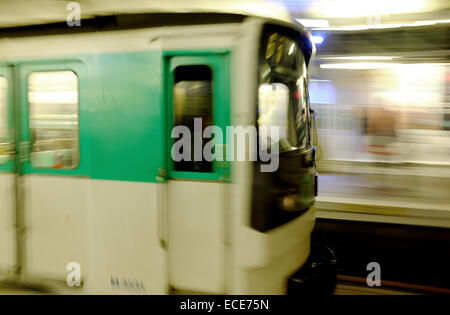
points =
(399, 194)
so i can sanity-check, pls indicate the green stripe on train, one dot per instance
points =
(122, 120)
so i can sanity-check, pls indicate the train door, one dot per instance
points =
(52, 169)
(198, 98)
(7, 173)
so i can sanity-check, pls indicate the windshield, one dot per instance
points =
(282, 93)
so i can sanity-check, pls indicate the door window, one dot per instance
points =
(53, 112)
(192, 101)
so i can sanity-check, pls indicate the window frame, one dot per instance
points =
(218, 63)
(80, 71)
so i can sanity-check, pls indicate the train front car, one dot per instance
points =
(110, 184)
(274, 239)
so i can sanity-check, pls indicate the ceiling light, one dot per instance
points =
(313, 22)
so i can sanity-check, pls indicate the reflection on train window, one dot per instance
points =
(53, 100)
(4, 121)
(273, 99)
(192, 98)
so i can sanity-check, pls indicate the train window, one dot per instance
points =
(283, 70)
(4, 125)
(53, 101)
(192, 98)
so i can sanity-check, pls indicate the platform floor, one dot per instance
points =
(398, 198)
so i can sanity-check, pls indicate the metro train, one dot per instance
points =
(91, 199)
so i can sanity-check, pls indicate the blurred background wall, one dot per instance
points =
(373, 55)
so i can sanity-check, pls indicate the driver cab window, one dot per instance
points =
(282, 77)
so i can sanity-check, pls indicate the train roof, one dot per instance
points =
(112, 15)
(20, 13)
